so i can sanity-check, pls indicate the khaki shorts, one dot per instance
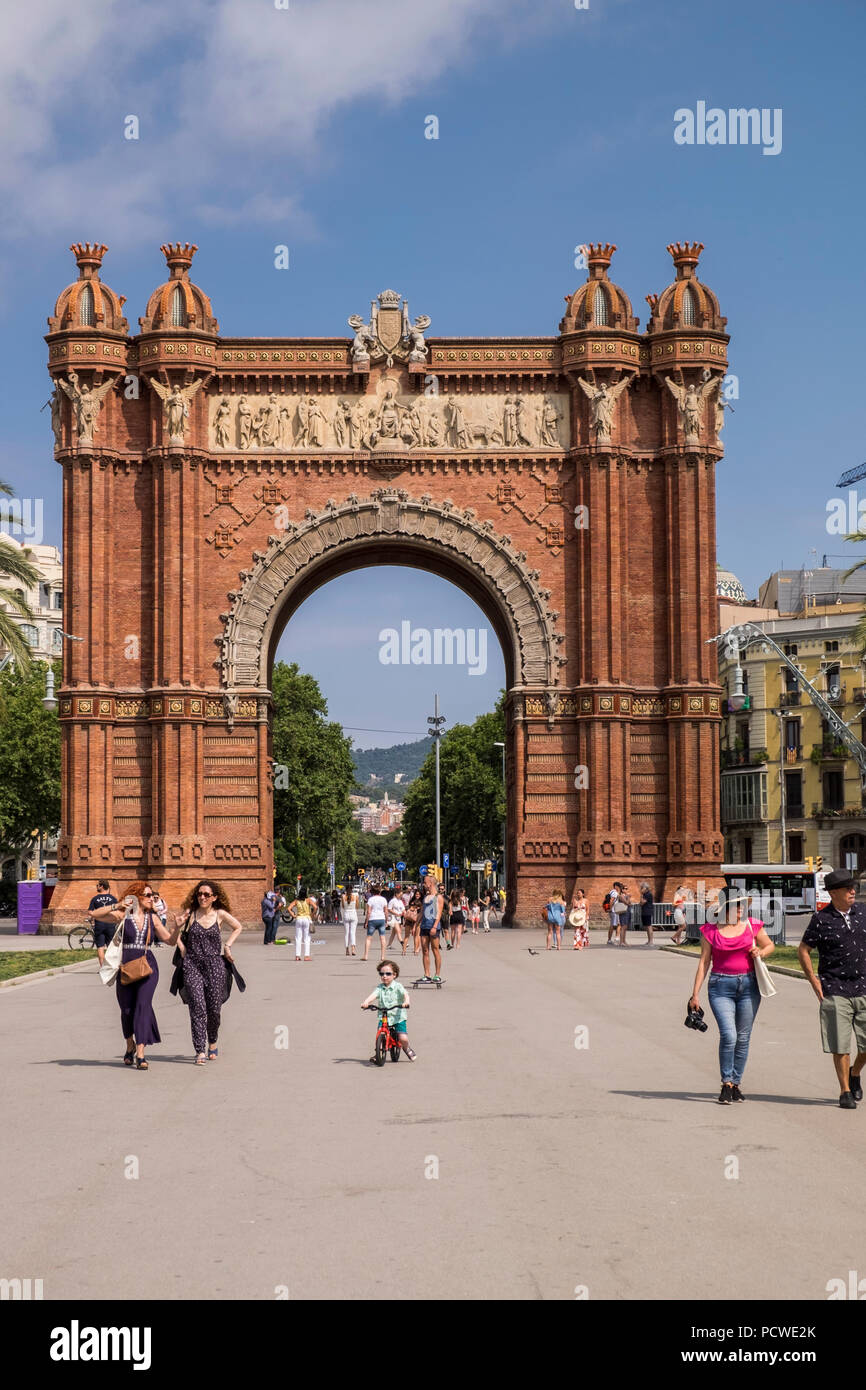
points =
(838, 1015)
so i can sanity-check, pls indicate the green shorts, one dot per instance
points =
(838, 1016)
(399, 1027)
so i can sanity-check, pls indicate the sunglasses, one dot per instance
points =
(205, 893)
(148, 894)
(383, 973)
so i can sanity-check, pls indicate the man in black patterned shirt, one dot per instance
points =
(838, 933)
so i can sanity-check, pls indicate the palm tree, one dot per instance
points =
(859, 634)
(14, 565)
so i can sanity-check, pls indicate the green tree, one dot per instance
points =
(14, 566)
(472, 798)
(372, 851)
(313, 777)
(29, 756)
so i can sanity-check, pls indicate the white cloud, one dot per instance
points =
(229, 95)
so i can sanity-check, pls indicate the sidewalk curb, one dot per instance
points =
(776, 969)
(45, 974)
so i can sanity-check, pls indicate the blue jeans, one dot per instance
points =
(734, 1000)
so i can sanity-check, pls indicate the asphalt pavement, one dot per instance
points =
(558, 1133)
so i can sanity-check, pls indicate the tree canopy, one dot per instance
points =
(472, 797)
(29, 756)
(313, 777)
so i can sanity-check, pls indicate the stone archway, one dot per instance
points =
(392, 521)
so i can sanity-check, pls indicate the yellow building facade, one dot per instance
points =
(788, 787)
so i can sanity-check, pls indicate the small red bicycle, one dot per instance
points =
(386, 1038)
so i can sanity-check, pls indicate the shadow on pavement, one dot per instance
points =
(699, 1097)
(97, 1062)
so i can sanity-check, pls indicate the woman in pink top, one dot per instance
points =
(733, 990)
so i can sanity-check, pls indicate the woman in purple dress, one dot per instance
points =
(140, 925)
(205, 911)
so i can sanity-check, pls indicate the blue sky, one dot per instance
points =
(305, 127)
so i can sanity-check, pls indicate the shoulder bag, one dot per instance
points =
(766, 988)
(113, 956)
(140, 968)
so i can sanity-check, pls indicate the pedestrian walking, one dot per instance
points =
(411, 919)
(577, 918)
(647, 903)
(204, 912)
(138, 975)
(395, 913)
(838, 934)
(374, 921)
(679, 906)
(554, 916)
(102, 931)
(730, 949)
(609, 906)
(305, 911)
(272, 902)
(456, 919)
(622, 909)
(349, 902)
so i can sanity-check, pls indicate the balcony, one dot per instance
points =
(743, 757)
(828, 748)
(789, 698)
(822, 812)
(795, 754)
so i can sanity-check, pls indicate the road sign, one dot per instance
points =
(478, 866)
(401, 866)
(446, 861)
(423, 871)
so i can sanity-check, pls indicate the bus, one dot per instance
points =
(800, 888)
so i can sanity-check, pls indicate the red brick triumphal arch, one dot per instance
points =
(212, 483)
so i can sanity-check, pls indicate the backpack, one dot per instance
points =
(605, 906)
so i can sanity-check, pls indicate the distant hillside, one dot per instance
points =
(386, 763)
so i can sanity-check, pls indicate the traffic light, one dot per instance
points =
(819, 862)
(811, 863)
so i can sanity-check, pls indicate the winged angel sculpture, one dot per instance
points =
(690, 401)
(86, 403)
(602, 400)
(175, 406)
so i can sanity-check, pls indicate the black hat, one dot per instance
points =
(839, 878)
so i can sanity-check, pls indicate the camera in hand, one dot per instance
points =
(695, 1019)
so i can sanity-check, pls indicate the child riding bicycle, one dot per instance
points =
(391, 996)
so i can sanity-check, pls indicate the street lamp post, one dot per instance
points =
(436, 733)
(504, 817)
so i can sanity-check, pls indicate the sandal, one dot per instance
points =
(141, 1064)
(201, 1059)
(129, 1056)
(212, 1054)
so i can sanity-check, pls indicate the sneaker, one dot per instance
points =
(847, 1101)
(855, 1086)
(737, 1093)
(413, 1056)
(435, 979)
(726, 1093)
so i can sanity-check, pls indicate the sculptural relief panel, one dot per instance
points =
(390, 418)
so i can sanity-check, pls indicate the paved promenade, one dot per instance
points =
(558, 1166)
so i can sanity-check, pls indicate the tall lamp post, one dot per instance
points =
(504, 793)
(435, 724)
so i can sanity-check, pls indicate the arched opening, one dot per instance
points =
(87, 307)
(381, 640)
(390, 527)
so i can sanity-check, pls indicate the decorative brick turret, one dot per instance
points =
(598, 303)
(87, 304)
(193, 309)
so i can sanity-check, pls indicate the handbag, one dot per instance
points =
(137, 969)
(113, 956)
(619, 906)
(766, 988)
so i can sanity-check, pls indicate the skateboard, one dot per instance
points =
(425, 980)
